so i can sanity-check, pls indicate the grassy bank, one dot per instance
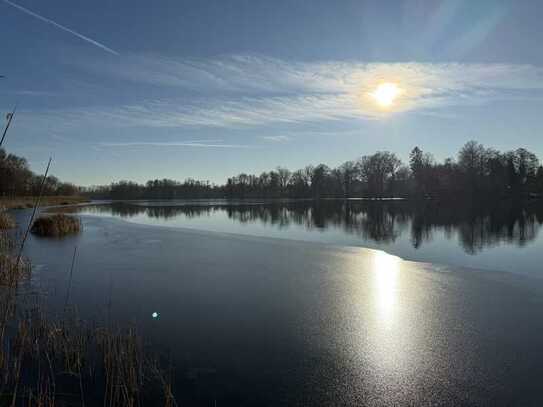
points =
(23, 202)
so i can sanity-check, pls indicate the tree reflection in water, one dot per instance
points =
(476, 227)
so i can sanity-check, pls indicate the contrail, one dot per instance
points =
(81, 36)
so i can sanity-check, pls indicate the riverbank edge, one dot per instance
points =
(25, 202)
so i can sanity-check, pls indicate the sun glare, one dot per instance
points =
(387, 269)
(386, 93)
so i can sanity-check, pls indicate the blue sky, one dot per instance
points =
(207, 89)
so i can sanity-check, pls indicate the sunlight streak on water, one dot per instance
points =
(386, 281)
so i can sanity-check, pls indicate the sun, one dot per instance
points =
(386, 93)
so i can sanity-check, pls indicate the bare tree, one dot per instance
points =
(377, 169)
(284, 178)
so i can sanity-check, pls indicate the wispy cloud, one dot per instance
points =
(254, 91)
(224, 113)
(276, 139)
(60, 138)
(262, 75)
(27, 92)
(196, 144)
(69, 30)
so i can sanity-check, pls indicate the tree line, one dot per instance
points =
(156, 189)
(16, 179)
(476, 172)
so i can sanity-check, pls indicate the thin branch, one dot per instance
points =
(36, 205)
(10, 118)
(70, 281)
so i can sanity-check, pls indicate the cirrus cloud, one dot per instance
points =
(243, 91)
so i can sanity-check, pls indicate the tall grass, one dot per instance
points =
(48, 360)
(67, 362)
(6, 221)
(10, 271)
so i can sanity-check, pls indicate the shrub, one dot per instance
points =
(56, 225)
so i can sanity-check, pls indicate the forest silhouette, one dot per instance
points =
(477, 172)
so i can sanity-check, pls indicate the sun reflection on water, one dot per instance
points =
(387, 268)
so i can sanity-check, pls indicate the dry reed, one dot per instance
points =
(6, 221)
(46, 361)
(56, 225)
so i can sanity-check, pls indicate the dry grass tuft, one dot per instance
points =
(56, 225)
(6, 242)
(6, 221)
(10, 271)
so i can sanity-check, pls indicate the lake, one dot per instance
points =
(283, 303)
(504, 238)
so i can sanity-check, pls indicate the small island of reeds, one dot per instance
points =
(57, 225)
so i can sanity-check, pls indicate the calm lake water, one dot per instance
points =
(273, 304)
(504, 238)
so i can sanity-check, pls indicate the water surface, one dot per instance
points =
(504, 237)
(258, 321)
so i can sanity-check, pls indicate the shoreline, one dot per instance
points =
(25, 202)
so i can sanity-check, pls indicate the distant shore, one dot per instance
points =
(23, 202)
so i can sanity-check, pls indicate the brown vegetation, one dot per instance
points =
(24, 202)
(6, 221)
(12, 269)
(80, 365)
(56, 225)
